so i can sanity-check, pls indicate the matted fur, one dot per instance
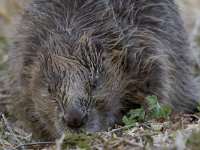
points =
(91, 57)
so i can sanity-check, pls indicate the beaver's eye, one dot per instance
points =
(49, 89)
(93, 84)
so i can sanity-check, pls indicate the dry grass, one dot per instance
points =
(177, 132)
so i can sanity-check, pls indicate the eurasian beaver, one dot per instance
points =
(78, 64)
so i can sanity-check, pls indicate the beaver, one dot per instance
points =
(77, 65)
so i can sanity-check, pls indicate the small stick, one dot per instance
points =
(59, 142)
(121, 128)
(134, 144)
(32, 144)
(10, 130)
(3, 144)
(192, 115)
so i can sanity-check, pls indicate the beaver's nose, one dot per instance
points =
(75, 119)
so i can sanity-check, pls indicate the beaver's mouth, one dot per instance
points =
(89, 127)
(93, 121)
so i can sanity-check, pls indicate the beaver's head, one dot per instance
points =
(79, 92)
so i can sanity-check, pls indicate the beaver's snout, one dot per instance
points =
(75, 119)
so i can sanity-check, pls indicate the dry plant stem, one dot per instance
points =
(10, 130)
(3, 144)
(192, 115)
(125, 127)
(59, 142)
(32, 144)
(133, 144)
(96, 146)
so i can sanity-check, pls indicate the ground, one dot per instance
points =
(179, 131)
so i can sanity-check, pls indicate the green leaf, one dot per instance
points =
(137, 114)
(72, 140)
(198, 107)
(167, 111)
(1, 130)
(153, 103)
(152, 111)
(155, 109)
(193, 141)
(125, 120)
(128, 121)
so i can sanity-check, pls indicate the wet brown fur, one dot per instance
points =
(91, 57)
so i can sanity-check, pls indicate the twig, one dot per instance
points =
(3, 144)
(96, 146)
(59, 142)
(132, 143)
(18, 136)
(127, 127)
(10, 130)
(192, 115)
(121, 128)
(35, 143)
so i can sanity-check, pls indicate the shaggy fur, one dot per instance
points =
(78, 64)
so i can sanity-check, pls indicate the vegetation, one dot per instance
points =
(150, 110)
